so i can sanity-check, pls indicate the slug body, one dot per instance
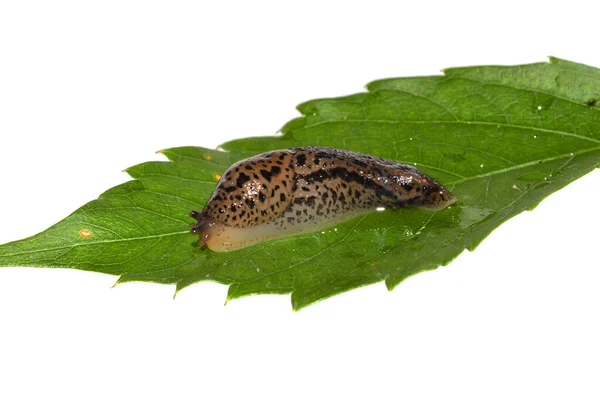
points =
(294, 191)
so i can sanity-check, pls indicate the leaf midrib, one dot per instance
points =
(95, 243)
(523, 165)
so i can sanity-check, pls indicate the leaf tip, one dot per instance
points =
(390, 284)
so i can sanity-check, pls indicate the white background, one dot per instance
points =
(90, 88)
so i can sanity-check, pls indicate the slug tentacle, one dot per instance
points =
(204, 226)
(294, 191)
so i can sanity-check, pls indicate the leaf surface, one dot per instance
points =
(501, 138)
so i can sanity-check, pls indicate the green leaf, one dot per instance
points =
(500, 138)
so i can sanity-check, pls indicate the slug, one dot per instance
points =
(294, 191)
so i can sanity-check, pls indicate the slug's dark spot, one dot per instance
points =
(282, 197)
(317, 161)
(261, 197)
(275, 170)
(241, 180)
(310, 201)
(359, 162)
(266, 174)
(301, 160)
(230, 189)
(324, 155)
(320, 209)
(249, 203)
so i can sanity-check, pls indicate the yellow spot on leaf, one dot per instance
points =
(207, 157)
(85, 233)
(217, 176)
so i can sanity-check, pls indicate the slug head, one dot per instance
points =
(219, 237)
(205, 226)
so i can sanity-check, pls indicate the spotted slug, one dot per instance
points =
(294, 191)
